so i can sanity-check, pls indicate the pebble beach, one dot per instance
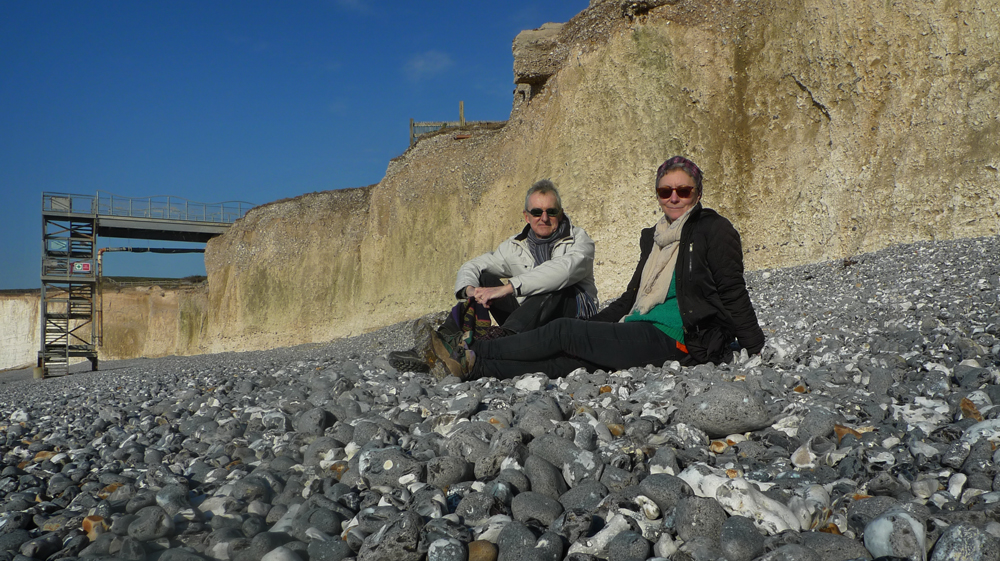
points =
(866, 429)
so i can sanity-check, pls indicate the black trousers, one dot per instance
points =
(562, 346)
(534, 311)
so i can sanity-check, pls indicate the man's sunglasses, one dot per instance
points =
(682, 192)
(537, 212)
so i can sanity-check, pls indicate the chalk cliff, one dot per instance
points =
(824, 130)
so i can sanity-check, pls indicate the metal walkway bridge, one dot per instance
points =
(71, 225)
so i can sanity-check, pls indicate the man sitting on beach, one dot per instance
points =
(549, 267)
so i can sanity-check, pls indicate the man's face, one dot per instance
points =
(543, 225)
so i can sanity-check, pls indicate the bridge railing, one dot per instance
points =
(171, 208)
(165, 207)
(68, 202)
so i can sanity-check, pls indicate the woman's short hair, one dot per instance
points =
(543, 186)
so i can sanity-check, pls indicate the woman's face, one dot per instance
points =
(673, 184)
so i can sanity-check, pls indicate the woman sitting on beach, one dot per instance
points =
(687, 301)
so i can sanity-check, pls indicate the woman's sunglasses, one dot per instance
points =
(682, 192)
(537, 212)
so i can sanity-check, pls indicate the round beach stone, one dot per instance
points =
(793, 552)
(585, 496)
(443, 471)
(152, 523)
(532, 506)
(833, 546)
(699, 516)
(329, 550)
(545, 478)
(723, 410)
(896, 533)
(740, 540)
(665, 490)
(966, 542)
(399, 540)
(628, 546)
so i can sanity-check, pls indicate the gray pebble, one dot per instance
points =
(724, 410)
(531, 506)
(740, 540)
(699, 517)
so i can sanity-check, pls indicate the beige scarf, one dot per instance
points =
(659, 268)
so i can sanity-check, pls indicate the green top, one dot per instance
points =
(666, 316)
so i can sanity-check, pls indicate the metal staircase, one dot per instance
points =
(69, 281)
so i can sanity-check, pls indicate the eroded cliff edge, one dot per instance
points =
(824, 130)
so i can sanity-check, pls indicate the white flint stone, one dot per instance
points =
(921, 447)
(980, 399)
(532, 382)
(803, 456)
(649, 508)
(896, 533)
(665, 547)
(987, 429)
(281, 553)
(924, 488)
(739, 496)
(598, 543)
(215, 506)
(314, 533)
(802, 512)
(284, 524)
(788, 425)
(331, 457)
(955, 484)
(490, 531)
(970, 494)
(880, 457)
(351, 449)
(20, 416)
(925, 414)
(941, 499)
(833, 456)
(703, 479)
(991, 497)
(650, 529)
(661, 469)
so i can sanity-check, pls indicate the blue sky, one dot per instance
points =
(218, 101)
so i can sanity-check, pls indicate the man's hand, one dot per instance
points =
(483, 295)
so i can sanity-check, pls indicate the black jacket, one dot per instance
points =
(711, 291)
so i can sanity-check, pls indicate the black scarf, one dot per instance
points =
(541, 248)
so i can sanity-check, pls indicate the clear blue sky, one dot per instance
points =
(230, 100)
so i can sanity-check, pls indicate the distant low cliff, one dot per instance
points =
(824, 130)
(138, 322)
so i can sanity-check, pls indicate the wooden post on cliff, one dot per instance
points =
(461, 114)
